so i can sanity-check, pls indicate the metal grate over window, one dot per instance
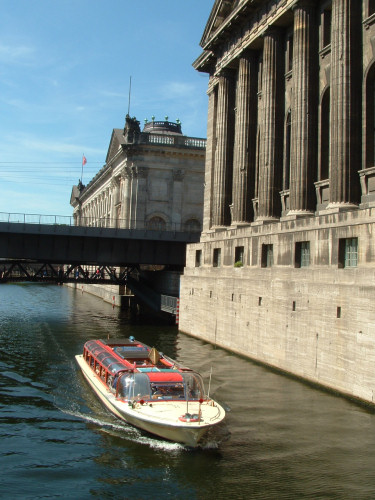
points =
(351, 252)
(348, 252)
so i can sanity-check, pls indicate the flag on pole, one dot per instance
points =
(84, 161)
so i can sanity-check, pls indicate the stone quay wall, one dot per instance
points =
(108, 293)
(315, 322)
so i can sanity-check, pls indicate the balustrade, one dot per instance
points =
(105, 221)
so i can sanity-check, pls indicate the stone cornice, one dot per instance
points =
(211, 35)
(257, 25)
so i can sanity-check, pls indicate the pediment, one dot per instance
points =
(114, 144)
(221, 10)
(74, 195)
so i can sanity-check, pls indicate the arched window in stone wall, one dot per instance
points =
(156, 223)
(192, 225)
(370, 120)
(325, 126)
(288, 124)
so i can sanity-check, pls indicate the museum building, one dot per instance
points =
(152, 179)
(284, 271)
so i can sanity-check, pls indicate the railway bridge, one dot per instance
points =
(54, 249)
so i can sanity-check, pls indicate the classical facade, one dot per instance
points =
(151, 179)
(284, 271)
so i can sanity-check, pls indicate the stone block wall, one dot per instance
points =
(315, 322)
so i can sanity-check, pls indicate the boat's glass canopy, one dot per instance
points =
(108, 360)
(193, 385)
(133, 386)
(140, 386)
(143, 381)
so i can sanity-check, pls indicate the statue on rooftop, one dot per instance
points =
(132, 129)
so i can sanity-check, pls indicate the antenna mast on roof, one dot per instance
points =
(130, 90)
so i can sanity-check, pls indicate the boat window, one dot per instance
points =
(102, 356)
(170, 390)
(90, 345)
(194, 385)
(128, 390)
(95, 349)
(115, 367)
(109, 360)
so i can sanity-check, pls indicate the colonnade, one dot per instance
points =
(248, 163)
(114, 205)
(97, 211)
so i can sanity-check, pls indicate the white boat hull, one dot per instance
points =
(159, 418)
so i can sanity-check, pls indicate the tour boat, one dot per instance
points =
(149, 390)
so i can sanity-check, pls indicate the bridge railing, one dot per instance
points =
(36, 219)
(168, 304)
(105, 222)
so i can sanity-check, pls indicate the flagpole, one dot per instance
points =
(83, 155)
(84, 161)
(130, 90)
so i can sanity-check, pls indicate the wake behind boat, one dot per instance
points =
(149, 390)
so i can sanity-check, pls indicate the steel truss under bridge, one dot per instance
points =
(22, 270)
(14, 271)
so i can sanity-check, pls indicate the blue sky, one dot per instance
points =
(65, 67)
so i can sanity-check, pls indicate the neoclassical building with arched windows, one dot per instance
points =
(285, 269)
(151, 179)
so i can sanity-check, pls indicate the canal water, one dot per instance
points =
(282, 439)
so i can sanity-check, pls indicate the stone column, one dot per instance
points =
(115, 190)
(126, 198)
(107, 206)
(345, 103)
(245, 138)
(177, 199)
(270, 159)
(95, 211)
(222, 186)
(304, 108)
(138, 197)
(210, 157)
(100, 208)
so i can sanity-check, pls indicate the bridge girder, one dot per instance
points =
(22, 270)
(93, 246)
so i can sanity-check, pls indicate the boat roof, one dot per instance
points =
(130, 342)
(130, 353)
(128, 348)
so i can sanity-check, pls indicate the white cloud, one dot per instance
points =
(15, 53)
(29, 148)
(116, 95)
(173, 90)
(57, 147)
